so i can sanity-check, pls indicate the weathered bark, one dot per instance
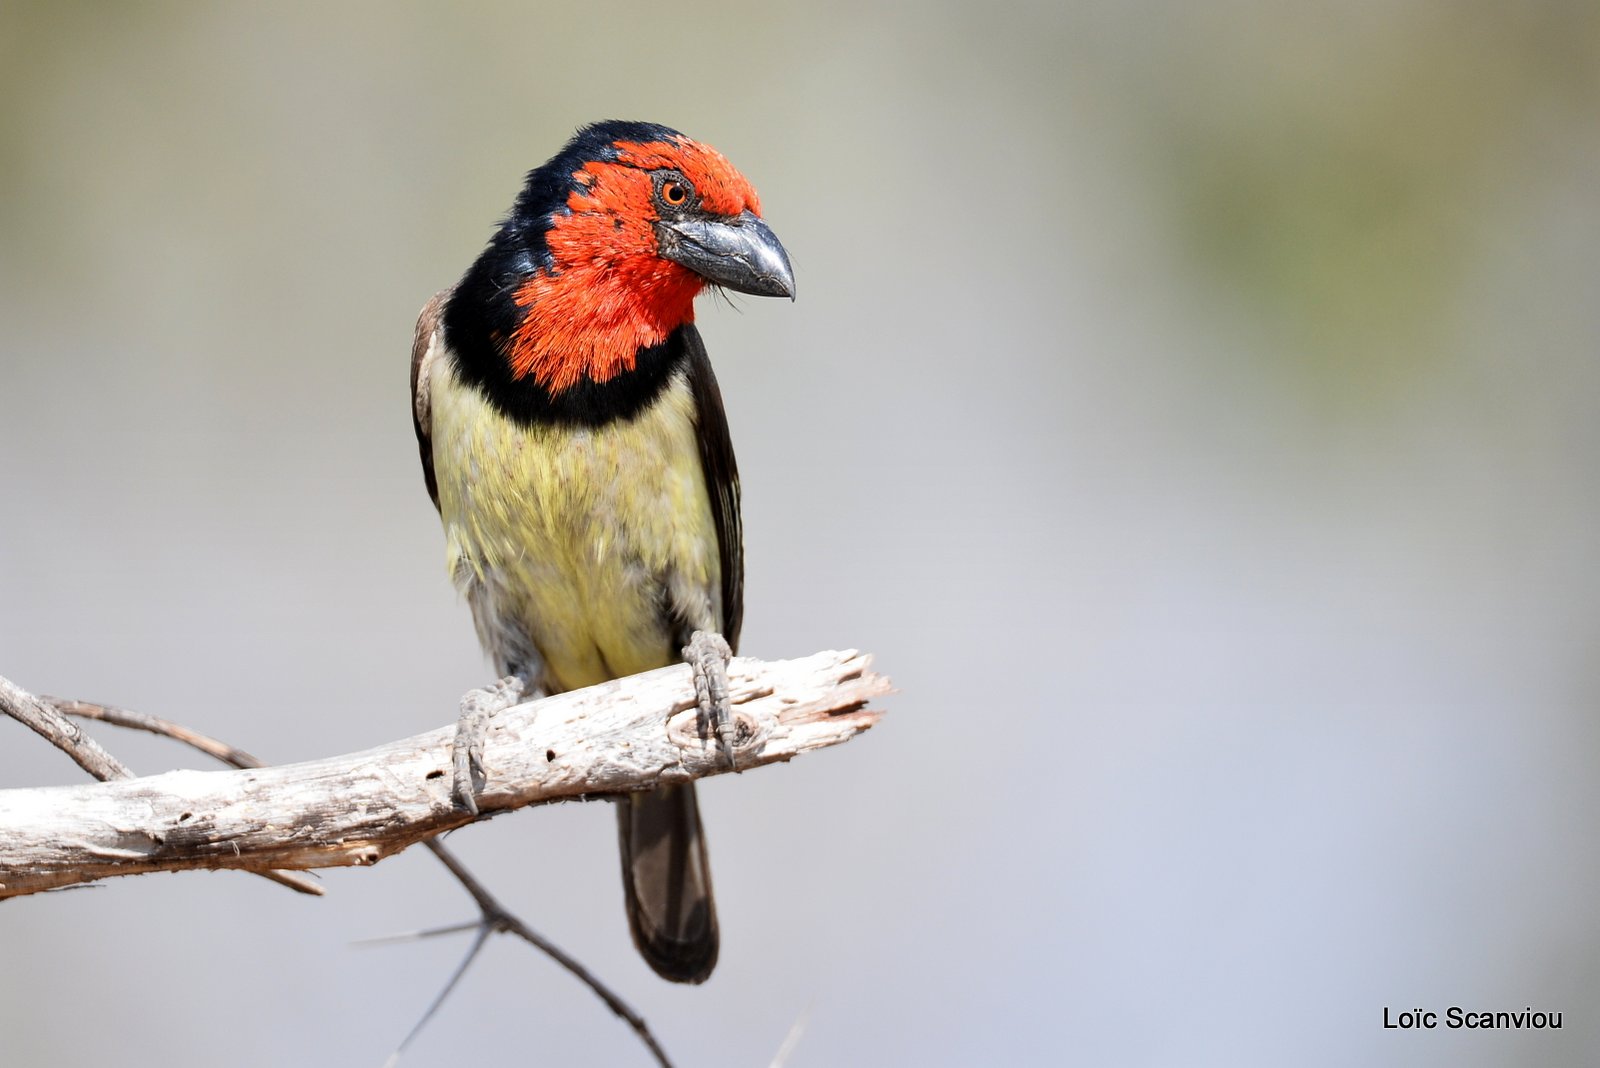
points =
(357, 809)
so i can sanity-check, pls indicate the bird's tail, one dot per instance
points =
(667, 880)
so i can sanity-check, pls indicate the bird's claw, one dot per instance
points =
(478, 707)
(707, 655)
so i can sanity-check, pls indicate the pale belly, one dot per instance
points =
(587, 549)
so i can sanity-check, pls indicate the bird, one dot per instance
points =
(574, 442)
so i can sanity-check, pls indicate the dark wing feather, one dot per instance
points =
(423, 353)
(722, 480)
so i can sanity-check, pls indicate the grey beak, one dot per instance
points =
(742, 253)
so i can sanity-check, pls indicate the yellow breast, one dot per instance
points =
(578, 545)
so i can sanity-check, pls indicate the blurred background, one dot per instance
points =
(1195, 411)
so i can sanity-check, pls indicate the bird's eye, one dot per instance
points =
(673, 190)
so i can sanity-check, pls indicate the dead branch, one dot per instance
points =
(361, 807)
(54, 727)
(47, 719)
(494, 918)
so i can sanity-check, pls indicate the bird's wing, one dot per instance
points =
(424, 350)
(722, 481)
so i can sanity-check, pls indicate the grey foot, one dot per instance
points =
(478, 707)
(707, 655)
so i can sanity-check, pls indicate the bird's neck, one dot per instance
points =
(609, 372)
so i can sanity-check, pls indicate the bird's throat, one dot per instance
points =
(589, 323)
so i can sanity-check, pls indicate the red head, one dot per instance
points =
(607, 247)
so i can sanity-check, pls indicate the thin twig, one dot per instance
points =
(496, 917)
(792, 1039)
(484, 931)
(417, 936)
(139, 721)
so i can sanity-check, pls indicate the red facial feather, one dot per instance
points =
(609, 292)
(722, 189)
